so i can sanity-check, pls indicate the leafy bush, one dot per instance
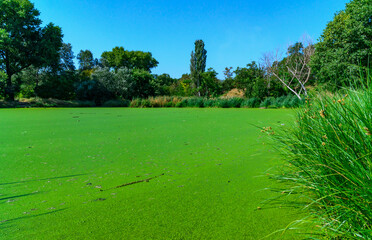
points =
(93, 90)
(84, 104)
(287, 101)
(145, 103)
(329, 156)
(164, 101)
(209, 102)
(195, 102)
(116, 103)
(135, 103)
(52, 86)
(268, 102)
(251, 103)
(296, 102)
(181, 104)
(225, 102)
(279, 102)
(235, 102)
(45, 103)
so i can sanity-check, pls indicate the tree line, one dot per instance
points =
(35, 62)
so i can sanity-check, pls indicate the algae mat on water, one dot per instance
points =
(101, 173)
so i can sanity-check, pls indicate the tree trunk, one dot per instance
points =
(9, 91)
(198, 85)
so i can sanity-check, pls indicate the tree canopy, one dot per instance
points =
(23, 42)
(345, 45)
(118, 57)
(198, 63)
(86, 60)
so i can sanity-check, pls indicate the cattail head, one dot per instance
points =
(368, 132)
(322, 113)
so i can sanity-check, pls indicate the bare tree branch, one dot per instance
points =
(297, 64)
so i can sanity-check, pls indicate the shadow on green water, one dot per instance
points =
(6, 198)
(43, 179)
(7, 223)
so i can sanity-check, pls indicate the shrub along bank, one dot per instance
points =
(164, 102)
(329, 163)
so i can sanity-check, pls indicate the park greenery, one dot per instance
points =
(35, 62)
(327, 151)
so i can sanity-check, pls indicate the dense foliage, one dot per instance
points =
(24, 42)
(119, 57)
(329, 155)
(34, 62)
(345, 45)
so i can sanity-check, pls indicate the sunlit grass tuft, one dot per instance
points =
(329, 164)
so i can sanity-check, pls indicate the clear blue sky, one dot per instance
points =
(235, 32)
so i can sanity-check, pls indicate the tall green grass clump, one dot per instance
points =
(251, 103)
(268, 102)
(329, 163)
(228, 102)
(116, 103)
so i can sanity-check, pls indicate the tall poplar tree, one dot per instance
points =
(198, 63)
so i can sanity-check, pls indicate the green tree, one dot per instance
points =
(250, 79)
(183, 87)
(141, 86)
(118, 84)
(119, 57)
(23, 42)
(55, 80)
(345, 45)
(229, 82)
(210, 84)
(3, 78)
(67, 57)
(52, 85)
(198, 63)
(86, 60)
(294, 71)
(161, 84)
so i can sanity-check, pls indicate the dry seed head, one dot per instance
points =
(368, 132)
(322, 113)
(323, 143)
(325, 137)
(339, 101)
